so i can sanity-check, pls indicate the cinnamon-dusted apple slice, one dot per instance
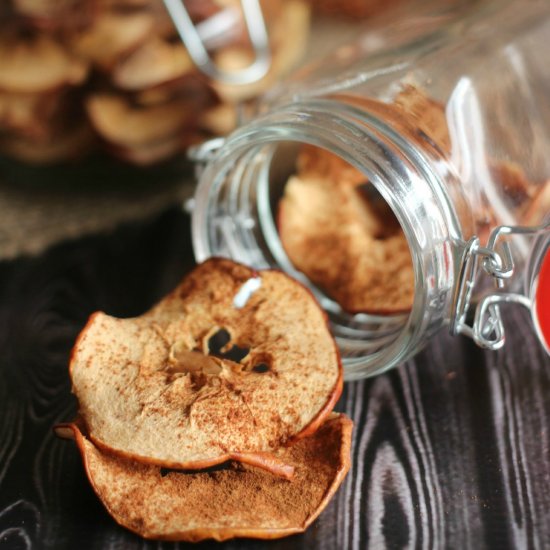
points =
(270, 462)
(123, 123)
(345, 238)
(231, 364)
(112, 36)
(37, 64)
(239, 501)
(155, 63)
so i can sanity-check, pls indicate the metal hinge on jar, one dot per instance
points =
(210, 33)
(496, 261)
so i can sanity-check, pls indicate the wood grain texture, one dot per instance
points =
(451, 450)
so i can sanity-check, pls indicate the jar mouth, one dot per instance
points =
(235, 216)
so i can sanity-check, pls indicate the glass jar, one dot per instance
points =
(445, 112)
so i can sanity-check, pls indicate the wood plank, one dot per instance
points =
(451, 450)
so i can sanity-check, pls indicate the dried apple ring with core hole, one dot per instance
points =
(168, 388)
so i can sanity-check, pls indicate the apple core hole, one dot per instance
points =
(219, 345)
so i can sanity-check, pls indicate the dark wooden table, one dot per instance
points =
(451, 450)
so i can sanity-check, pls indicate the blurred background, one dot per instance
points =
(99, 100)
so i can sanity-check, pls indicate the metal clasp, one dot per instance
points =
(209, 31)
(496, 261)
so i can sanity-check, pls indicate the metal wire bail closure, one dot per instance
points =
(496, 261)
(207, 32)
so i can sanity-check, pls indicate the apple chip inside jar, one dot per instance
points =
(237, 501)
(338, 231)
(231, 364)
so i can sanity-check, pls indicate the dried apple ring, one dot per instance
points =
(237, 501)
(161, 388)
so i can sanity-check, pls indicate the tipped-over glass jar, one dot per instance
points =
(447, 115)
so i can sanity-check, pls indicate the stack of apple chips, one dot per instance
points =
(81, 74)
(210, 416)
